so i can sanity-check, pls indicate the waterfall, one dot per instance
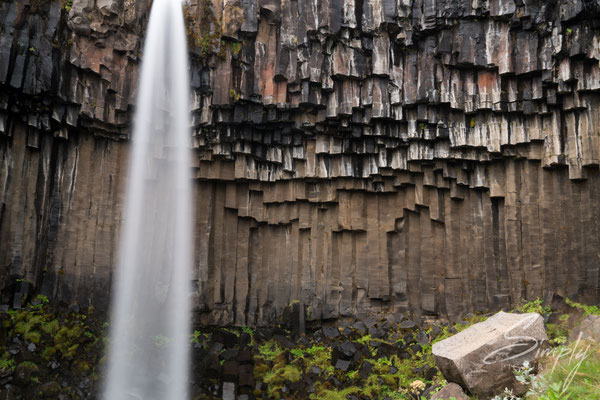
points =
(148, 355)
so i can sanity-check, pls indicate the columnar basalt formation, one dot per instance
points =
(358, 156)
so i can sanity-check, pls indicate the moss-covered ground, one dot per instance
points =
(49, 352)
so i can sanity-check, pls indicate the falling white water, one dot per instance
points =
(148, 355)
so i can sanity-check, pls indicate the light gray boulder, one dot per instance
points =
(482, 357)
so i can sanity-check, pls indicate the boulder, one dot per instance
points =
(482, 357)
(589, 329)
(450, 391)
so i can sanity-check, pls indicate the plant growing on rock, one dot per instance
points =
(534, 306)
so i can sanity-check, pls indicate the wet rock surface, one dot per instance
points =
(346, 152)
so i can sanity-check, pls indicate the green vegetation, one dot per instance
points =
(67, 5)
(204, 33)
(6, 362)
(326, 394)
(535, 306)
(567, 372)
(234, 95)
(587, 310)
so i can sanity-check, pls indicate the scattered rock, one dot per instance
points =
(342, 365)
(450, 391)
(408, 324)
(331, 332)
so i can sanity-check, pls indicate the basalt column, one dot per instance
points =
(439, 157)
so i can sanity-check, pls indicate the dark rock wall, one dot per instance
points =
(358, 156)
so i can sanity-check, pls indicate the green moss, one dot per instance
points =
(30, 365)
(67, 5)
(323, 393)
(6, 362)
(48, 352)
(80, 368)
(269, 350)
(33, 337)
(248, 330)
(318, 356)
(298, 353)
(235, 96)
(287, 373)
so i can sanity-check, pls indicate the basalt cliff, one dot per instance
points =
(353, 156)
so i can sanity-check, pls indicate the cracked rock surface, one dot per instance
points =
(357, 156)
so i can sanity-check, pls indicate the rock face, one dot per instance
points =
(589, 329)
(356, 156)
(449, 392)
(482, 357)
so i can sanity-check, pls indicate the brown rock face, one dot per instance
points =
(359, 156)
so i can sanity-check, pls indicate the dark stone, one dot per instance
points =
(50, 390)
(331, 332)
(346, 350)
(435, 331)
(342, 365)
(263, 334)
(315, 370)
(334, 381)
(245, 356)
(360, 327)
(230, 371)
(246, 376)
(450, 391)
(215, 348)
(213, 366)
(408, 324)
(23, 373)
(284, 342)
(229, 354)
(422, 338)
(228, 339)
(245, 339)
(365, 370)
(415, 348)
(431, 373)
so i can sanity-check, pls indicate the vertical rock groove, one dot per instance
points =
(355, 155)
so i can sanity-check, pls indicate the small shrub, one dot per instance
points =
(535, 306)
